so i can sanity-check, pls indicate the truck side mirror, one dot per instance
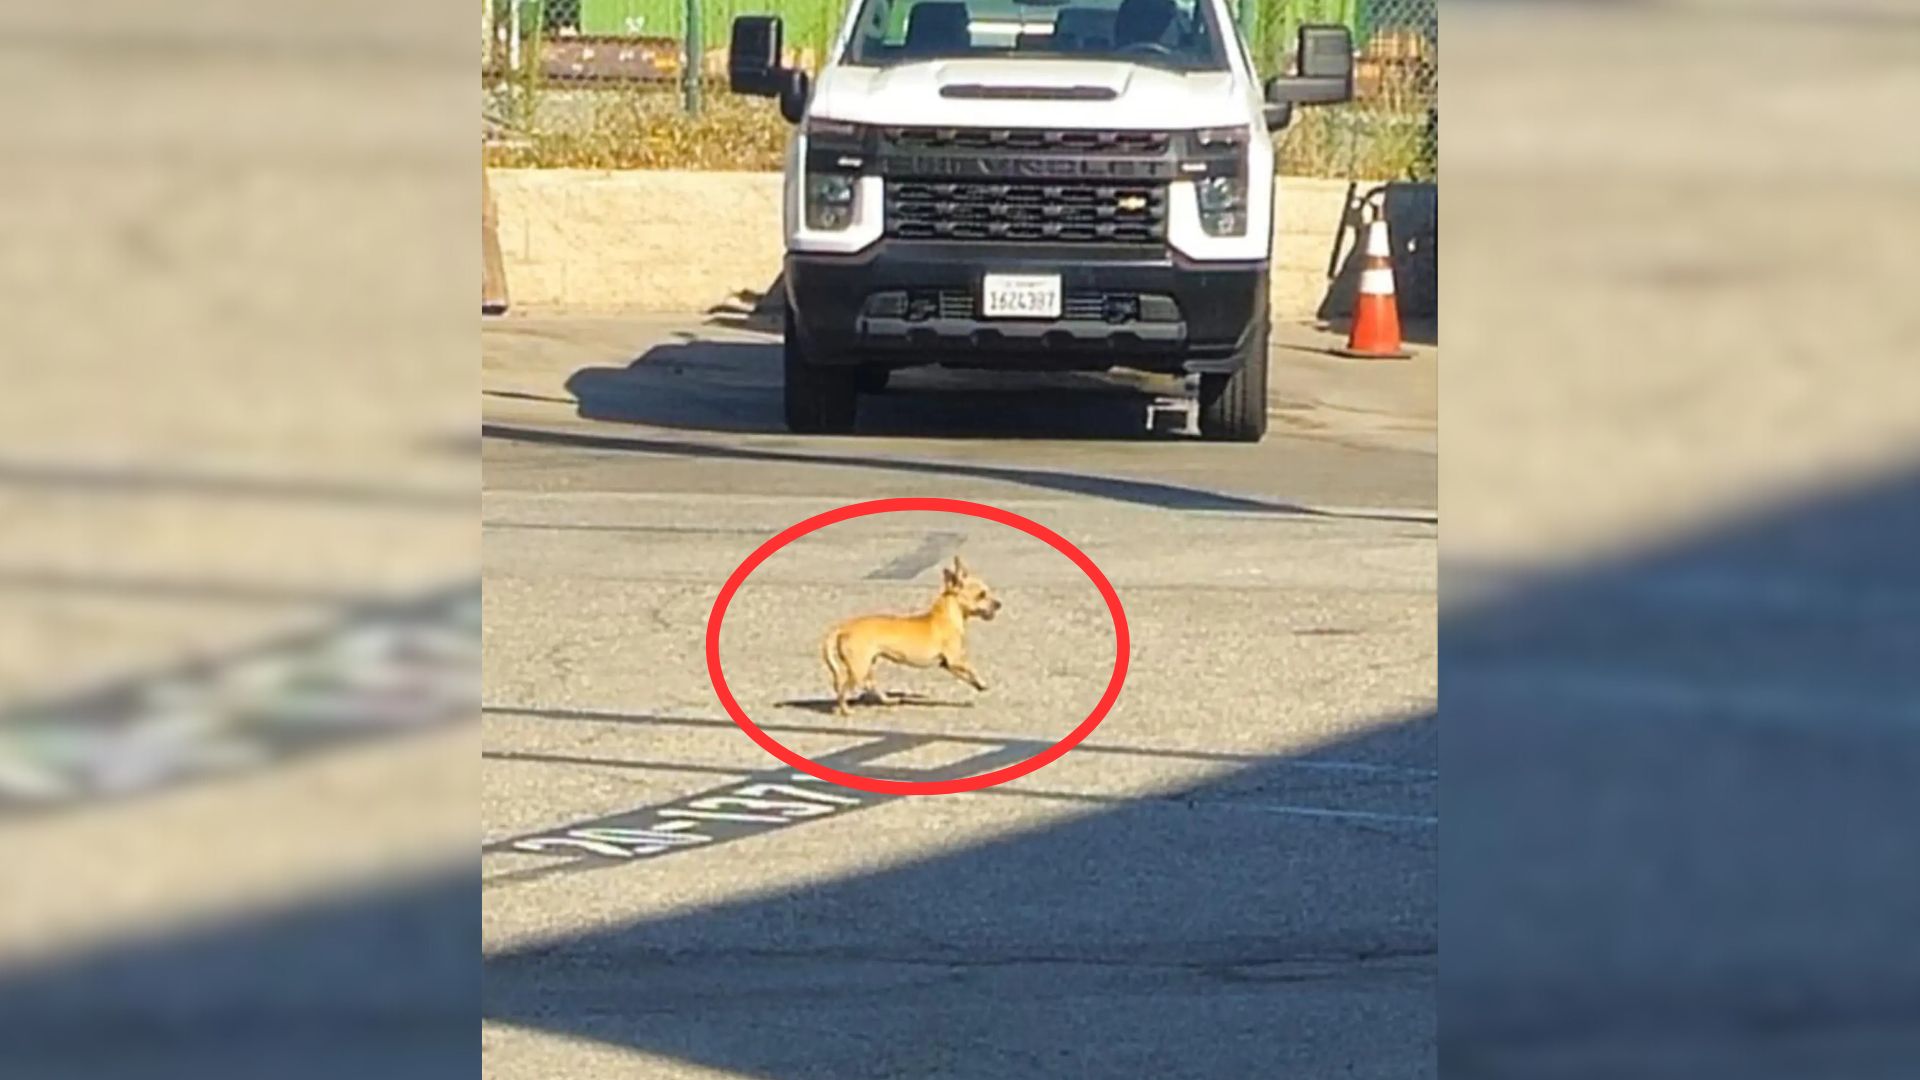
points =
(1323, 73)
(753, 56)
(794, 89)
(753, 65)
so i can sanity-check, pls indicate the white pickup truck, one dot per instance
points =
(1031, 184)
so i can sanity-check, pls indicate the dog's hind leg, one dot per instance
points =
(860, 670)
(879, 695)
(838, 669)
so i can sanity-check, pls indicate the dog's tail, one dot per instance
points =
(835, 660)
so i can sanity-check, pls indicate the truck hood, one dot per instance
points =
(1129, 96)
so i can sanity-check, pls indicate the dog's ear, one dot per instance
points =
(948, 578)
(959, 568)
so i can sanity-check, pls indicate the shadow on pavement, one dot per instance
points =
(1680, 796)
(734, 386)
(867, 707)
(1194, 934)
(374, 984)
(762, 311)
(1143, 492)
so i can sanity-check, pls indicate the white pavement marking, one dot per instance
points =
(948, 750)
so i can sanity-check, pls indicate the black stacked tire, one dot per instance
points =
(872, 380)
(1233, 408)
(820, 399)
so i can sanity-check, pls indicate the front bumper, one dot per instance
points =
(902, 303)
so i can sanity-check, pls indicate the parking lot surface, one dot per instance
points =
(1233, 875)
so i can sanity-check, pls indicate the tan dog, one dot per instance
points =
(935, 636)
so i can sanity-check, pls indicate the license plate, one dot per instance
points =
(1021, 296)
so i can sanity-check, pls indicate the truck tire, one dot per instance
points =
(819, 399)
(1233, 407)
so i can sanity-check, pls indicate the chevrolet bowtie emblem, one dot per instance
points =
(1133, 202)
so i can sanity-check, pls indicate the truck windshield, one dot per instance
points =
(1179, 34)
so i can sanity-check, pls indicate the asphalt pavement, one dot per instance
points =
(1234, 875)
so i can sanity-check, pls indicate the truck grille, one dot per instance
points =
(1019, 211)
(1083, 142)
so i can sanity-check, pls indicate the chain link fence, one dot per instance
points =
(1391, 129)
(641, 83)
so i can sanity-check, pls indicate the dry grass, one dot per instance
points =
(644, 128)
(1383, 135)
(1351, 143)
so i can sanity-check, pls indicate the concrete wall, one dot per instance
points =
(636, 241)
(693, 241)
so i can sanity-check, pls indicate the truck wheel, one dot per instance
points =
(872, 380)
(1233, 408)
(820, 399)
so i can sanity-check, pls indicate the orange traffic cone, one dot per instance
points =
(1376, 313)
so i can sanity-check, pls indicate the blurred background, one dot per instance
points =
(1680, 469)
(238, 562)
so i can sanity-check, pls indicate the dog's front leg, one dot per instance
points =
(960, 669)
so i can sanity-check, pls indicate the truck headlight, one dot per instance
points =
(836, 154)
(830, 200)
(1223, 205)
(1222, 192)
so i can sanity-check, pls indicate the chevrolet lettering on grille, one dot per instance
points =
(958, 165)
